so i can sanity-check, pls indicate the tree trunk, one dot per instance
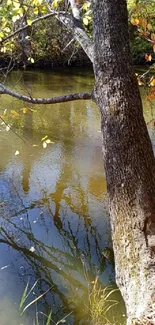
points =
(128, 160)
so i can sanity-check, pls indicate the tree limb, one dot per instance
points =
(72, 22)
(76, 27)
(52, 100)
(52, 13)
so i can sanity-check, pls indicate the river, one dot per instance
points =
(54, 224)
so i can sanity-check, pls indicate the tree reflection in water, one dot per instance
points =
(54, 201)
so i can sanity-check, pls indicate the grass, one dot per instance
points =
(99, 303)
(23, 306)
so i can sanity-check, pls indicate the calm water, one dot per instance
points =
(54, 217)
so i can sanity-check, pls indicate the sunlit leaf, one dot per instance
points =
(152, 83)
(49, 141)
(148, 57)
(45, 137)
(44, 144)
(25, 110)
(153, 36)
(85, 21)
(135, 21)
(8, 128)
(54, 4)
(143, 22)
(14, 113)
(16, 153)
(149, 27)
(29, 22)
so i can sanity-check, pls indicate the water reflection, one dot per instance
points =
(54, 220)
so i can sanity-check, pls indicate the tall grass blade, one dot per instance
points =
(49, 318)
(35, 300)
(63, 320)
(24, 296)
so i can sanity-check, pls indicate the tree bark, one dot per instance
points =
(128, 160)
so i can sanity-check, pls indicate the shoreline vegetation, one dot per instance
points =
(80, 60)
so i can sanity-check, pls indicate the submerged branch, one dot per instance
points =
(52, 100)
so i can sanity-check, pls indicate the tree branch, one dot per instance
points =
(52, 100)
(71, 22)
(52, 13)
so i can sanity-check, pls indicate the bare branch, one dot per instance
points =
(52, 100)
(79, 33)
(75, 10)
(52, 13)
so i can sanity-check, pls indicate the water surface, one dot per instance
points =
(54, 215)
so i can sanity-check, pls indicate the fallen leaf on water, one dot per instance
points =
(49, 141)
(16, 153)
(4, 267)
(32, 249)
(44, 145)
(8, 128)
(46, 136)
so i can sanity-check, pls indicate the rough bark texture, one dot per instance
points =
(128, 159)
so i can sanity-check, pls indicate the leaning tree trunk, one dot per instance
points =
(128, 159)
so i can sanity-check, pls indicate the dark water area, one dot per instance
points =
(54, 220)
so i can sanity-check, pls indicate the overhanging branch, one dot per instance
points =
(52, 100)
(71, 22)
(52, 13)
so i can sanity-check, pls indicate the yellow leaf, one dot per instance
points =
(152, 83)
(44, 145)
(135, 21)
(45, 137)
(85, 21)
(35, 145)
(16, 153)
(48, 141)
(149, 27)
(29, 22)
(8, 128)
(153, 36)
(25, 110)
(143, 22)
(14, 113)
(54, 4)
